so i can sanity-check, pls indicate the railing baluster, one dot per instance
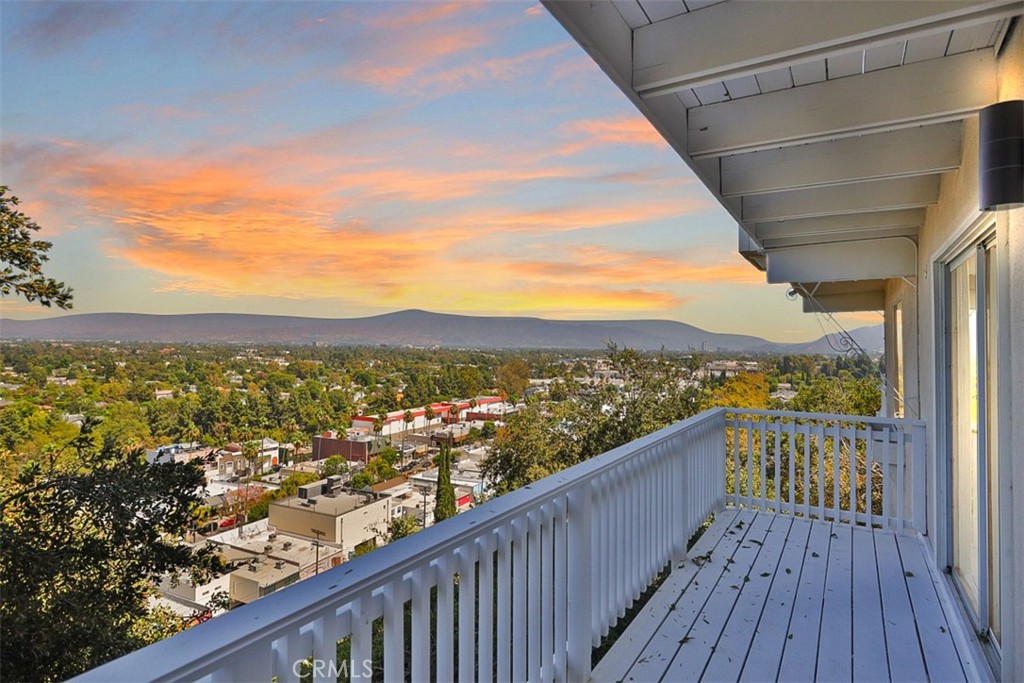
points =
(394, 632)
(790, 473)
(776, 461)
(837, 472)
(519, 603)
(887, 480)
(467, 612)
(821, 470)
(420, 635)
(359, 668)
(901, 465)
(504, 604)
(443, 636)
(546, 592)
(533, 577)
(485, 644)
(750, 463)
(561, 587)
(869, 476)
(917, 443)
(580, 596)
(763, 453)
(805, 431)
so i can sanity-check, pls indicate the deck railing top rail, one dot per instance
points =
(324, 608)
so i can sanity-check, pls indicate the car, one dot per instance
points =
(227, 523)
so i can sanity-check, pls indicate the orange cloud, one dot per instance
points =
(632, 130)
(302, 221)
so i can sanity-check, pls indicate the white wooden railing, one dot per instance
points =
(862, 470)
(521, 588)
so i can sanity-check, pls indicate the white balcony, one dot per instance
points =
(803, 574)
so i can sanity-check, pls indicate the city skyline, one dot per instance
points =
(350, 159)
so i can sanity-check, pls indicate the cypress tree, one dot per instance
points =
(444, 506)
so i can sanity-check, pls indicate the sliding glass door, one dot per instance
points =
(974, 486)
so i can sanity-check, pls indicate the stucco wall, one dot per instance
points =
(947, 223)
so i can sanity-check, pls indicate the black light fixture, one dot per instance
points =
(1001, 156)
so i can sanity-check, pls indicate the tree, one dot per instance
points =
(23, 258)
(400, 527)
(444, 505)
(429, 413)
(334, 465)
(513, 377)
(84, 535)
(408, 419)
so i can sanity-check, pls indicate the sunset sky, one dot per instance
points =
(348, 159)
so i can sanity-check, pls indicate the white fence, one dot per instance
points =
(518, 589)
(863, 470)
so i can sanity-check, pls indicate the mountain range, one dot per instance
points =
(409, 328)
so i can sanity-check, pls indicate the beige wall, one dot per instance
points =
(347, 530)
(947, 223)
(301, 521)
(365, 523)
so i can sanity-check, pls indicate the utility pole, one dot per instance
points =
(316, 543)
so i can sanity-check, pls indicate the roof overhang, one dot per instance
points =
(821, 127)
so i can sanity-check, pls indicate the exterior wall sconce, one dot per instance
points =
(1001, 156)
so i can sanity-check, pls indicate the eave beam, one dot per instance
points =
(873, 195)
(719, 42)
(933, 91)
(846, 303)
(839, 228)
(861, 260)
(910, 152)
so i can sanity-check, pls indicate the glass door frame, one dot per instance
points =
(979, 246)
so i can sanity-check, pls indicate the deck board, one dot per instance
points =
(870, 662)
(762, 659)
(855, 604)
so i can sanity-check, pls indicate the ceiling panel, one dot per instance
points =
(742, 87)
(884, 56)
(701, 4)
(632, 13)
(973, 38)
(710, 94)
(688, 98)
(808, 72)
(779, 79)
(926, 47)
(849, 64)
(663, 9)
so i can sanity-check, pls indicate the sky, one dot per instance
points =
(337, 160)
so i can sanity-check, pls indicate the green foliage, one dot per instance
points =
(444, 506)
(260, 508)
(842, 395)
(83, 535)
(745, 390)
(23, 258)
(540, 441)
(378, 469)
(388, 454)
(513, 377)
(400, 527)
(361, 480)
(334, 465)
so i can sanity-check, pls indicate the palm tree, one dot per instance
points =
(408, 419)
(428, 413)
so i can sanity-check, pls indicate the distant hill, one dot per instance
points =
(412, 328)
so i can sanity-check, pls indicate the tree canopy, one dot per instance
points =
(23, 256)
(83, 536)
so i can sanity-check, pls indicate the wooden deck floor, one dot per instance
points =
(768, 597)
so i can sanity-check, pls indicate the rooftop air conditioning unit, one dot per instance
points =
(287, 545)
